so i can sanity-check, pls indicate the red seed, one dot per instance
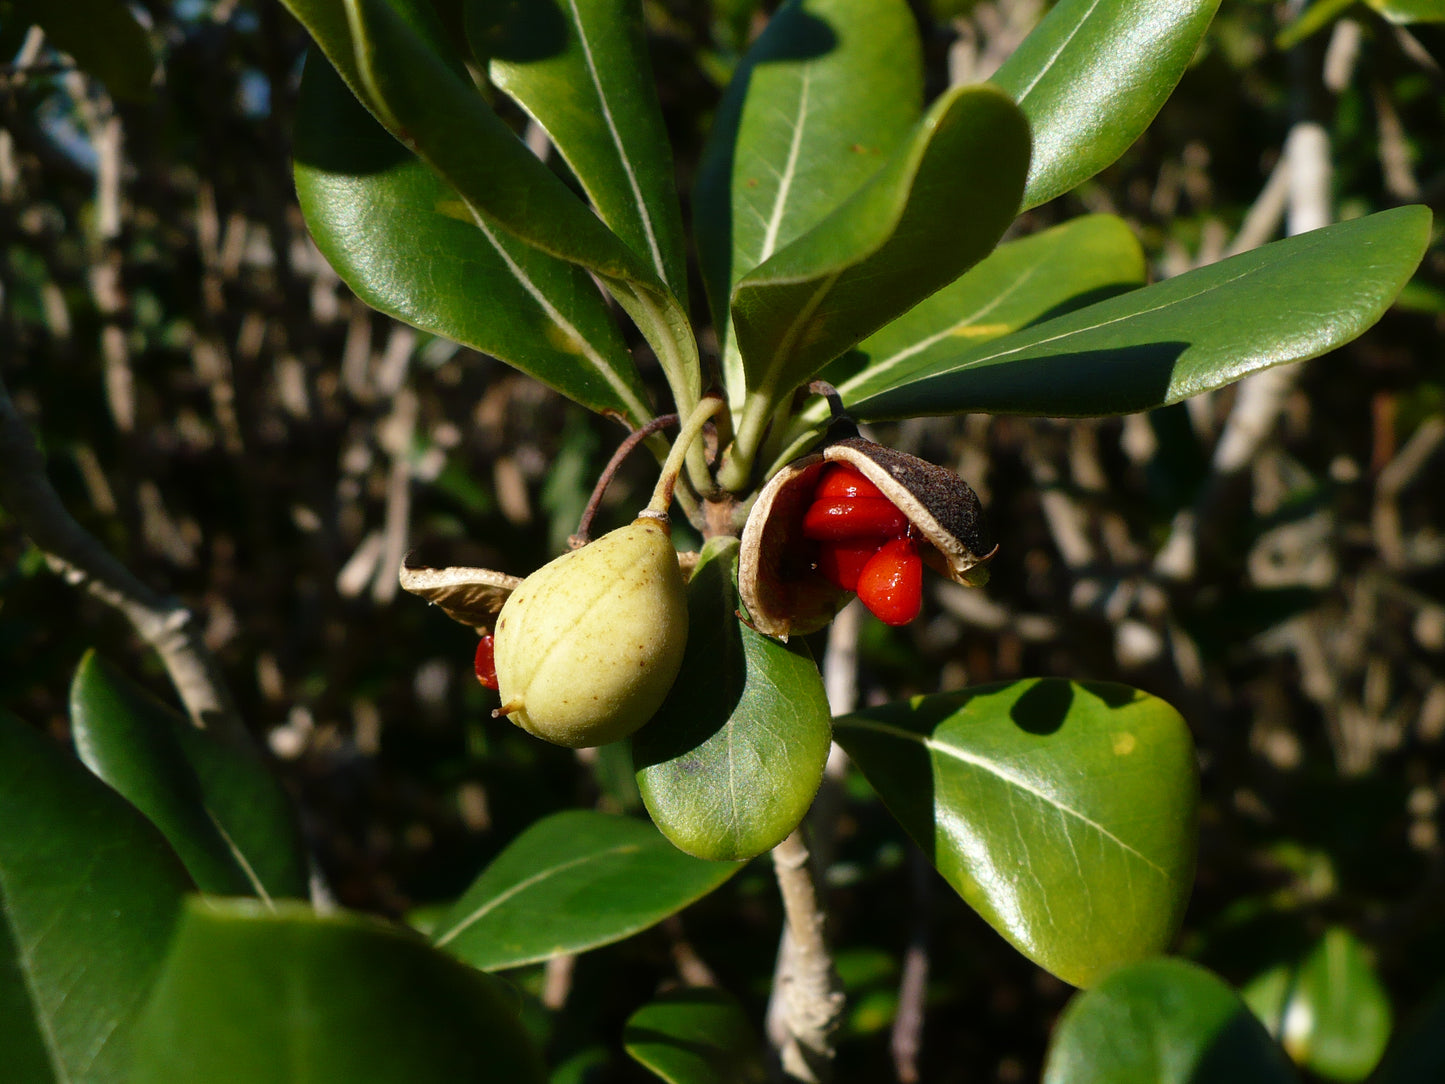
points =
(891, 583)
(841, 562)
(486, 664)
(842, 518)
(841, 480)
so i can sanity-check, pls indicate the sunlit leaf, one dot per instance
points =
(571, 882)
(1018, 284)
(936, 207)
(406, 244)
(730, 763)
(819, 102)
(583, 73)
(1090, 78)
(1063, 813)
(1287, 301)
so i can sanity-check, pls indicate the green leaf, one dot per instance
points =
(819, 102)
(129, 741)
(1288, 301)
(1406, 12)
(732, 760)
(1162, 1022)
(1063, 813)
(1090, 78)
(937, 207)
(696, 1035)
(250, 996)
(227, 817)
(1311, 20)
(571, 882)
(102, 36)
(405, 243)
(1328, 1009)
(89, 894)
(584, 75)
(1021, 282)
(436, 112)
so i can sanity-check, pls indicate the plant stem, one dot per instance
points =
(737, 466)
(808, 986)
(75, 555)
(633, 439)
(691, 429)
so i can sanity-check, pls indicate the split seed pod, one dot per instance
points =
(783, 591)
(588, 646)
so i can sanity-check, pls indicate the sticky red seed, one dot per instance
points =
(841, 480)
(486, 663)
(841, 562)
(891, 583)
(841, 518)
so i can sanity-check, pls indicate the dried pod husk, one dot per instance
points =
(589, 645)
(777, 580)
(470, 596)
(474, 596)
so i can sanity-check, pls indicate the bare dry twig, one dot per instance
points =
(76, 556)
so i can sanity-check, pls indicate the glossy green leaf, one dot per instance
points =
(1019, 283)
(1328, 1009)
(250, 996)
(696, 1035)
(819, 102)
(128, 740)
(436, 111)
(731, 762)
(571, 882)
(1288, 301)
(225, 814)
(89, 894)
(1063, 813)
(1162, 1022)
(1090, 78)
(934, 209)
(583, 73)
(329, 26)
(102, 36)
(405, 244)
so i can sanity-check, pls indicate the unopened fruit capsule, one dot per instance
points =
(588, 646)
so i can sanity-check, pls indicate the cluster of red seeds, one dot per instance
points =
(865, 544)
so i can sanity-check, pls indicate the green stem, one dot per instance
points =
(691, 429)
(737, 466)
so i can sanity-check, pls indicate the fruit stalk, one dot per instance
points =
(657, 508)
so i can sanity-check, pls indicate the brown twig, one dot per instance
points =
(808, 986)
(76, 556)
(633, 439)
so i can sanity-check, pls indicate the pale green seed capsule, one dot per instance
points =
(589, 645)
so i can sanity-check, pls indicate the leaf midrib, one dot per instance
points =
(927, 373)
(527, 882)
(993, 769)
(645, 216)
